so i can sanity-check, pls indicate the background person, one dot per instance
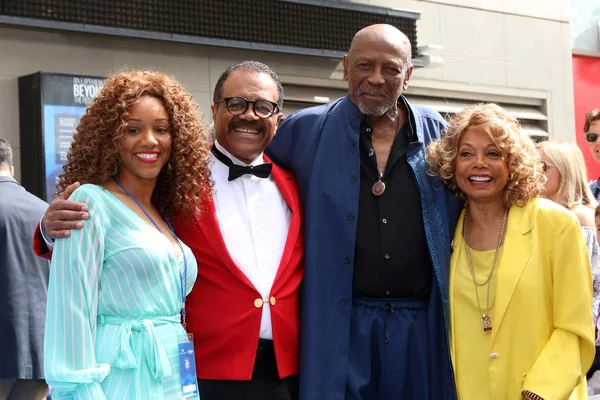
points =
(23, 289)
(117, 285)
(520, 318)
(591, 129)
(566, 184)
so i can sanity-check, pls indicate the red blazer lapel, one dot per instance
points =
(287, 186)
(209, 225)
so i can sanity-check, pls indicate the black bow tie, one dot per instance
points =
(235, 171)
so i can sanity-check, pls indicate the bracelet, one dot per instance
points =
(530, 395)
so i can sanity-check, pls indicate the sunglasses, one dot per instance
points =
(546, 166)
(591, 137)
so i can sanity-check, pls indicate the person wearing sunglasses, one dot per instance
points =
(566, 184)
(591, 127)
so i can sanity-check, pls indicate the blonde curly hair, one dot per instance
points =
(94, 153)
(526, 178)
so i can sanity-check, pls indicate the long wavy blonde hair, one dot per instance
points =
(568, 159)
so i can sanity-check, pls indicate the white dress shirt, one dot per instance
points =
(254, 219)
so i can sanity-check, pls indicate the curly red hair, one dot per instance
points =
(94, 154)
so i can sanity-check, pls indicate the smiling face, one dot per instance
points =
(553, 177)
(595, 146)
(481, 169)
(146, 142)
(246, 136)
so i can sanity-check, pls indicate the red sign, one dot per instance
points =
(586, 86)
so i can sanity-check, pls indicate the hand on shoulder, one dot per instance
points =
(63, 215)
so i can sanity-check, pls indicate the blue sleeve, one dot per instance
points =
(69, 358)
(280, 148)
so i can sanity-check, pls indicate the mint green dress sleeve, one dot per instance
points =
(69, 360)
(114, 303)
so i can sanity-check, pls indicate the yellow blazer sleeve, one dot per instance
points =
(568, 354)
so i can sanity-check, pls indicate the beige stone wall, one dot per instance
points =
(511, 48)
(25, 51)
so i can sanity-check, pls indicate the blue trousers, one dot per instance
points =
(389, 353)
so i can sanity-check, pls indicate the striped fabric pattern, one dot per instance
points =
(114, 299)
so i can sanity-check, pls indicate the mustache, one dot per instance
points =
(362, 91)
(258, 125)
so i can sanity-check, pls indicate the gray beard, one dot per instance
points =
(376, 111)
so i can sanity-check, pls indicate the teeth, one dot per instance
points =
(246, 130)
(147, 155)
(479, 179)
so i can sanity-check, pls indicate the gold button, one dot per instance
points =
(258, 303)
(272, 300)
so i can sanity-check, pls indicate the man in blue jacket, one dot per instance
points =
(378, 227)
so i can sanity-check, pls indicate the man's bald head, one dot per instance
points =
(378, 67)
(382, 33)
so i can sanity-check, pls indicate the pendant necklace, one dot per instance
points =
(485, 319)
(378, 187)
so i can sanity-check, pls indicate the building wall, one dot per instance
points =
(25, 51)
(506, 47)
(585, 33)
(585, 26)
(509, 49)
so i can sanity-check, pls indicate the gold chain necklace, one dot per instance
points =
(485, 319)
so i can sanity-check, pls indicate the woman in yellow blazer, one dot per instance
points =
(520, 284)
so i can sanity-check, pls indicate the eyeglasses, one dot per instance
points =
(546, 165)
(591, 137)
(238, 106)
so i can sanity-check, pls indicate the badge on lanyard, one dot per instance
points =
(187, 366)
(187, 361)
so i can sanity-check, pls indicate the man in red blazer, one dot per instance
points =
(244, 307)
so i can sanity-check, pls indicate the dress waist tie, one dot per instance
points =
(132, 349)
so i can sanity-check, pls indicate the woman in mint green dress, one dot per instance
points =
(117, 287)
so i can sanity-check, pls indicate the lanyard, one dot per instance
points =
(182, 277)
